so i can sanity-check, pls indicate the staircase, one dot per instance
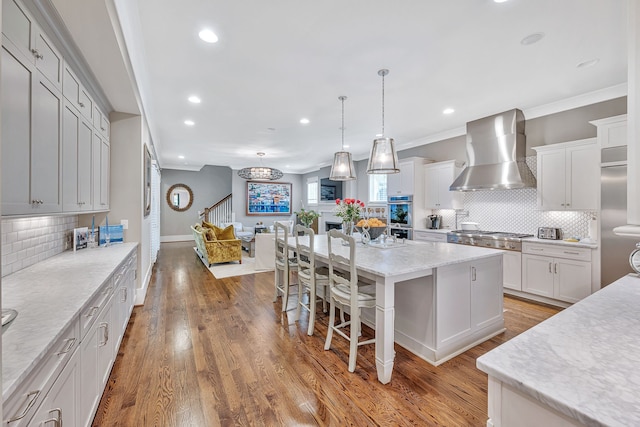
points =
(219, 212)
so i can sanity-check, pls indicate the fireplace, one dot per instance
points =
(332, 225)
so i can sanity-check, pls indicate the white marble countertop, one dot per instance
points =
(48, 297)
(406, 258)
(584, 361)
(561, 242)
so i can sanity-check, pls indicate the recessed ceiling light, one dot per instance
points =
(499, 1)
(189, 122)
(181, 157)
(532, 38)
(587, 64)
(448, 111)
(194, 99)
(304, 121)
(378, 135)
(208, 36)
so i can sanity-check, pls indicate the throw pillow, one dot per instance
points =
(208, 225)
(210, 235)
(224, 234)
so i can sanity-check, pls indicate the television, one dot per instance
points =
(330, 190)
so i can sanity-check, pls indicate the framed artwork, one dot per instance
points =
(268, 198)
(147, 181)
(80, 238)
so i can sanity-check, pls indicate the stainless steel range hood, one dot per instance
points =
(496, 147)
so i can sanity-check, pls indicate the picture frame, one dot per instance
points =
(147, 181)
(80, 238)
(327, 192)
(115, 232)
(268, 198)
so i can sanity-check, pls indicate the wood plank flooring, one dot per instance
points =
(207, 352)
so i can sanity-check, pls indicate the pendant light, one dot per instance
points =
(261, 173)
(383, 158)
(342, 168)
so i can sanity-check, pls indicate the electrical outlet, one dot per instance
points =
(68, 240)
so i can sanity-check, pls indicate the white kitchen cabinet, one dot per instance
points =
(100, 162)
(31, 139)
(512, 271)
(402, 182)
(61, 406)
(429, 236)
(75, 93)
(77, 135)
(569, 175)
(556, 272)
(438, 177)
(27, 40)
(612, 131)
(101, 122)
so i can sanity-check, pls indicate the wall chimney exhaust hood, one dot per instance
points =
(496, 147)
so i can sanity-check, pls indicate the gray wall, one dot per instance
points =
(209, 185)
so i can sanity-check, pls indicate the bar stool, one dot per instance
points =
(312, 280)
(345, 290)
(283, 264)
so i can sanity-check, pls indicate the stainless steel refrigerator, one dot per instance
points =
(614, 249)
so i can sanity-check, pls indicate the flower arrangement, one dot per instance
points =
(307, 217)
(349, 209)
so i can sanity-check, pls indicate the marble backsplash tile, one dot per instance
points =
(26, 241)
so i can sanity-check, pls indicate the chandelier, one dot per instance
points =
(260, 173)
(383, 158)
(342, 168)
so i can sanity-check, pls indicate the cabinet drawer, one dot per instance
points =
(429, 237)
(557, 251)
(21, 405)
(92, 310)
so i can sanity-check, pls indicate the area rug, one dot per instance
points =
(220, 271)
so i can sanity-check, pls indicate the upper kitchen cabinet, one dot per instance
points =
(612, 131)
(101, 122)
(409, 180)
(100, 167)
(26, 39)
(569, 176)
(438, 177)
(77, 135)
(75, 93)
(31, 137)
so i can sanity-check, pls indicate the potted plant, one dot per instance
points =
(307, 217)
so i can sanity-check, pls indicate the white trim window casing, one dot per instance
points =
(377, 188)
(313, 193)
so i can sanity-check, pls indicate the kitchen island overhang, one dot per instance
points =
(435, 299)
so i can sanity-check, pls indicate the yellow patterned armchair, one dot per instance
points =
(213, 250)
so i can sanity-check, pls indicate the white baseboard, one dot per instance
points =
(177, 238)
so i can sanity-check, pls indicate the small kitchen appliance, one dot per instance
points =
(434, 222)
(550, 233)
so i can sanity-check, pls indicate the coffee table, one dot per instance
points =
(249, 245)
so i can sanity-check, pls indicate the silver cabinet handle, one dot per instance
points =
(571, 253)
(37, 54)
(92, 311)
(68, 346)
(105, 334)
(555, 268)
(124, 295)
(537, 249)
(549, 267)
(81, 104)
(473, 274)
(34, 396)
(57, 420)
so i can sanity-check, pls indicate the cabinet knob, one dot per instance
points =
(81, 104)
(36, 54)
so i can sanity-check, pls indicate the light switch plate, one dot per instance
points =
(125, 224)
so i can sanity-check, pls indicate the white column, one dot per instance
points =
(633, 123)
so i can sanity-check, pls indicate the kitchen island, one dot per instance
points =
(580, 367)
(435, 299)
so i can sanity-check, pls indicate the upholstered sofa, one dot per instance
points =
(213, 250)
(241, 231)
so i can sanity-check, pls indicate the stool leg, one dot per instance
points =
(332, 319)
(353, 340)
(285, 289)
(275, 281)
(312, 306)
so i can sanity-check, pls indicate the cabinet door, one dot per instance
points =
(96, 148)
(70, 138)
(85, 137)
(583, 179)
(46, 147)
(453, 303)
(105, 153)
(432, 189)
(402, 182)
(486, 292)
(61, 405)
(48, 60)
(15, 85)
(19, 28)
(512, 271)
(551, 180)
(537, 275)
(573, 280)
(91, 391)
(107, 335)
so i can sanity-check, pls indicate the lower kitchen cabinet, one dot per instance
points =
(60, 406)
(555, 272)
(512, 274)
(429, 236)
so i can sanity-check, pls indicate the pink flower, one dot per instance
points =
(337, 201)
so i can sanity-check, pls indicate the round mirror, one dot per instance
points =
(634, 259)
(180, 197)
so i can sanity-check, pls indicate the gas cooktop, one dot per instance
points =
(488, 239)
(496, 234)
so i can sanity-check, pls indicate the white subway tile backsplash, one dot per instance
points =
(26, 241)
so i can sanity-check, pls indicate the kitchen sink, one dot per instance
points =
(8, 315)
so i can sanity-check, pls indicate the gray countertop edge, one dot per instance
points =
(575, 363)
(29, 338)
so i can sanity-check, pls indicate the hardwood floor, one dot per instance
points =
(207, 352)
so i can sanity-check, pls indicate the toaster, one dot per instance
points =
(550, 233)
